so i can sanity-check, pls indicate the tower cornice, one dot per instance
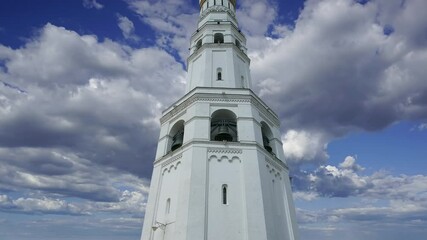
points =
(221, 149)
(217, 9)
(231, 1)
(234, 95)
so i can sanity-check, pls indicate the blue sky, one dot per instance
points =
(83, 85)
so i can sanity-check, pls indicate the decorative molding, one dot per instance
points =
(171, 167)
(171, 160)
(224, 105)
(225, 158)
(274, 170)
(216, 9)
(177, 109)
(227, 98)
(274, 164)
(219, 99)
(267, 120)
(178, 116)
(225, 150)
(265, 113)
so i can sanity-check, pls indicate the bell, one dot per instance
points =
(177, 141)
(267, 144)
(223, 134)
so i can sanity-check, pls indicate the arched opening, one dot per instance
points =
(219, 74)
(224, 126)
(267, 137)
(224, 194)
(176, 136)
(238, 43)
(218, 38)
(242, 80)
(199, 44)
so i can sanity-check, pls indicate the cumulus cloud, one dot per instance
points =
(79, 123)
(88, 95)
(381, 202)
(127, 27)
(303, 145)
(39, 206)
(130, 202)
(59, 173)
(92, 4)
(339, 70)
(349, 180)
(256, 16)
(350, 163)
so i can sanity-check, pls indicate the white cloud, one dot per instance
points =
(348, 180)
(306, 196)
(337, 72)
(92, 4)
(380, 203)
(256, 16)
(303, 146)
(44, 205)
(127, 27)
(88, 103)
(131, 202)
(350, 163)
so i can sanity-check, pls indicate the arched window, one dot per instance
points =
(219, 74)
(176, 136)
(223, 126)
(218, 38)
(224, 194)
(222, 2)
(238, 43)
(214, 2)
(199, 44)
(267, 137)
(242, 80)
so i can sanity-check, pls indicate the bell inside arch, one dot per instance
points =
(177, 140)
(223, 134)
(267, 144)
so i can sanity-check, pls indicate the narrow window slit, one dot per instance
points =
(168, 206)
(224, 194)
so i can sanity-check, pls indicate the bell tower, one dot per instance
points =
(219, 171)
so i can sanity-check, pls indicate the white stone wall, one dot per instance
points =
(192, 176)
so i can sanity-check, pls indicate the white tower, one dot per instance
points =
(219, 172)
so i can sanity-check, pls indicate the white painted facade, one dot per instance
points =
(204, 189)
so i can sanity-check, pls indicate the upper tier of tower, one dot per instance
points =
(225, 2)
(211, 10)
(218, 56)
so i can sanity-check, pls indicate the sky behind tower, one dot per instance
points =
(83, 84)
